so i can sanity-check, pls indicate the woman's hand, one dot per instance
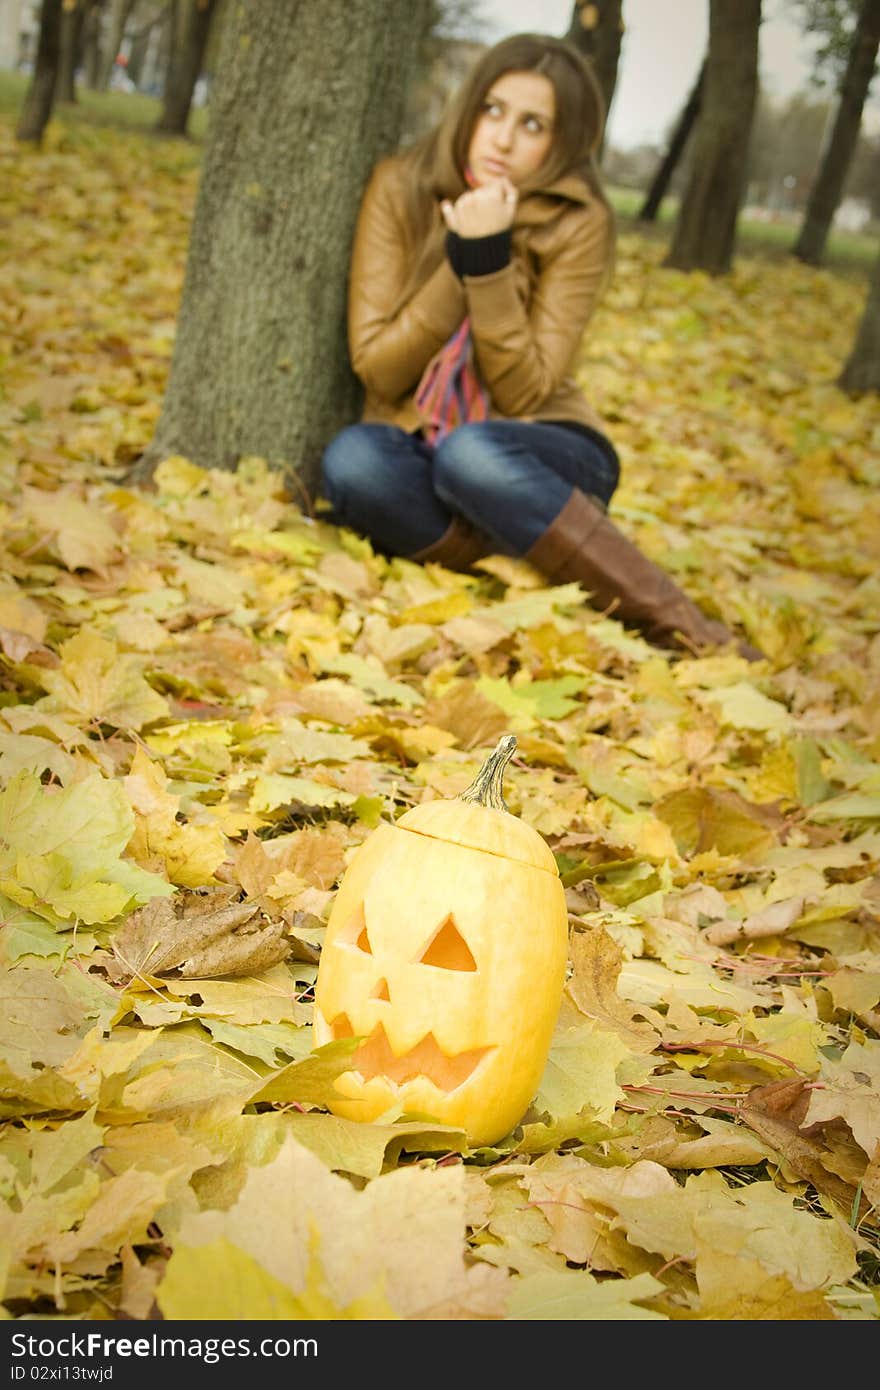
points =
(482, 211)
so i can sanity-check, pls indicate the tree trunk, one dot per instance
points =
(668, 165)
(186, 60)
(153, 67)
(705, 230)
(92, 44)
(165, 46)
(119, 13)
(72, 19)
(828, 188)
(40, 97)
(596, 30)
(862, 372)
(140, 46)
(260, 364)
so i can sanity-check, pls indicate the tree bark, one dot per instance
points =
(140, 46)
(596, 30)
(72, 20)
(260, 364)
(40, 96)
(668, 165)
(185, 64)
(92, 60)
(837, 158)
(862, 371)
(705, 230)
(119, 13)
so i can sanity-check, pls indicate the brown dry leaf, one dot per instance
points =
(777, 1112)
(702, 818)
(850, 1088)
(198, 936)
(465, 712)
(315, 856)
(20, 646)
(596, 962)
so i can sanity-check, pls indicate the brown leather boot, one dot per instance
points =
(583, 544)
(459, 546)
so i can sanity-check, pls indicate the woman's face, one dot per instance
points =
(514, 129)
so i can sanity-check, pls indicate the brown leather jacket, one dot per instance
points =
(527, 320)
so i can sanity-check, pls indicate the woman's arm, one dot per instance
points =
(390, 350)
(524, 356)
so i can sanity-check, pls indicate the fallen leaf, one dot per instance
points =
(198, 936)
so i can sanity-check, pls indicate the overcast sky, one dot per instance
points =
(663, 45)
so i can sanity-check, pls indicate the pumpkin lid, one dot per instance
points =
(482, 828)
(479, 818)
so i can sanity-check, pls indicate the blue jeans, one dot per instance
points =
(510, 478)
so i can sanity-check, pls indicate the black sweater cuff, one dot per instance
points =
(480, 255)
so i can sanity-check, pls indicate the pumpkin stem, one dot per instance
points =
(486, 788)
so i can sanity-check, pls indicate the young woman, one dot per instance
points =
(478, 258)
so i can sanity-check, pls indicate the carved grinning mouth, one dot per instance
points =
(375, 1057)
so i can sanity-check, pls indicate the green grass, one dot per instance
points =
(846, 252)
(121, 110)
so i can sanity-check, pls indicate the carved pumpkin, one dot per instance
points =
(445, 953)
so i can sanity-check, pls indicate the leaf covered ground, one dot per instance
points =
(209, 697)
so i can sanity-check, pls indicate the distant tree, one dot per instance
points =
(678, 140)
(705, 230)
(596, 30)
(782, 151)
(119, 14)
(40, 96)
(186, 58)
(831, 22)
(827, 190)
(260, 362)
(73, 14)
(864, 175)
(91, 44)
(862, 371)
(141, 35)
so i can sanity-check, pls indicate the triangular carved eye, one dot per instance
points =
(448, 948)
(354, 933)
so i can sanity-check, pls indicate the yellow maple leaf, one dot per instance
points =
(61, 849)
(84, 537)
(95, 683)
(177, 477)
(189, 854)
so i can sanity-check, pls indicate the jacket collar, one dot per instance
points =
(544, 203)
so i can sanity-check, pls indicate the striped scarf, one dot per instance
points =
(450, 392)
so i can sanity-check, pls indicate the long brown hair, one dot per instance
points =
(438, 160)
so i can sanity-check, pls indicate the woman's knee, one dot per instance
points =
(353, 465)
(469, 465)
